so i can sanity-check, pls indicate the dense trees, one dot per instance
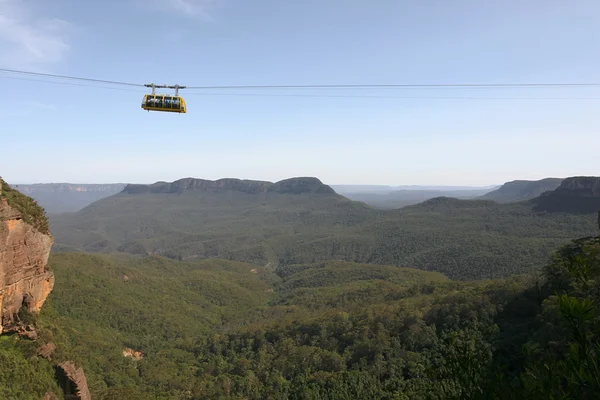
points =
(463, 239)
(309, 321)
(336, 330)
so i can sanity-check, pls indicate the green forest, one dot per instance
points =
(463, 239)
(309, 297)
(219, 329)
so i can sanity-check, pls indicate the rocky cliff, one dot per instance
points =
(522, 190)
(578, 194)
(24, 250)
(287, 186)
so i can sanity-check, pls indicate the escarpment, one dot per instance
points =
(25, 243)
(578, 194)
(299, 185)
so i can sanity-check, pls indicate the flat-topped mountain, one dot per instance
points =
(521, 190)
(301, 220)
(579, 194)
(291, 186)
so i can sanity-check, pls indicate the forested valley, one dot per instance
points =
(303, 323)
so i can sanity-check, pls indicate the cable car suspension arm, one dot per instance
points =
(155, 86)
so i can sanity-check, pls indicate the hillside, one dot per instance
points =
(293, 222)
(167, 310)
(58, 198)
(25, 283)
(157, 328)
(68, 197)
(521, 190)
(154, 328)
(578, 195)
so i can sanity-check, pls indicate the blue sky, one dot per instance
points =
(70, 133)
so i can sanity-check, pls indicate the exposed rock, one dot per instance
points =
(25, 280)
(24, 277)
(134, 355)
(25, 331)
(73, 381)
(581, 186)
(288, 186)
(579, 194)
(47, 350)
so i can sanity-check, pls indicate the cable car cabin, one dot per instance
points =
(164, 102)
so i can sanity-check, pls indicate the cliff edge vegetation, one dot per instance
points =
(31, 212)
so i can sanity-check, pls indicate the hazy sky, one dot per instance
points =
(57, 132)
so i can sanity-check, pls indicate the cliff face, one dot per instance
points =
(24, 251)
(521, 190)
(287, 186)
(578, 194)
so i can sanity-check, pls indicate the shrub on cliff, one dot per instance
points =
(31, 211)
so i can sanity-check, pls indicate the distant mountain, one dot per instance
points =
(68, 197)
(289, 186)
(407, 197)
(352, 189)
(580, 195)
(301, 220)
(521, 190)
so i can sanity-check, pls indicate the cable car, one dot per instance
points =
(164, 102)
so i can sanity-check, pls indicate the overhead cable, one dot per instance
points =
(321, 86)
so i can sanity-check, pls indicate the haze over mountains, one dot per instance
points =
(68, 197)
(301, 220)
(520, 190)
(406, 197)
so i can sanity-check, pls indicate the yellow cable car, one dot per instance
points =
(164, 102)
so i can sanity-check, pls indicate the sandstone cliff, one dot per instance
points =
(288, 186)
(578, 194)
(24, 250)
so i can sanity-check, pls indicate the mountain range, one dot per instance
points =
(302, 220)
(58, 198)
